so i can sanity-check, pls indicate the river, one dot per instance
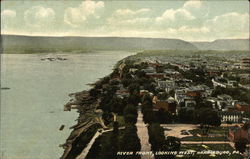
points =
(32, 109)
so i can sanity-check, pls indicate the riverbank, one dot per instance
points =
(90, 120)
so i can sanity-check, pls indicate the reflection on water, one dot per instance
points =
(32, 109)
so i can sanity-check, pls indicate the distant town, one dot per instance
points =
(166, 104)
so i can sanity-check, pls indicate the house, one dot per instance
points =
(216, 82)
(122, 92)
(156, 75)
(121, 68)
(172, 73)
(149, 70)
(234, 117)
(224, 101)
(180, 94)
(245, 63)
(167, 105)
(199, 91)
(213, 73)
(143, 92)
(189, 103)
(242, 106)
(166, 85)
(225, 97)
(213, 101)
(235, 133)
(133, 70)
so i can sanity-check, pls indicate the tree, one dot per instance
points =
(134, 98)
(94, 92)
(115, 127)
(156, 136)
(130, 141)
(110, 147)
(130, 118)
(164, 116)
(146, 99)
(186, 116)
(207, 117)
(172, 144)
(240, 145)
(130, 109)
(172, 93)
(116, 105)
(134, 87)
(140, 74)
(149, 116)
(159, 69)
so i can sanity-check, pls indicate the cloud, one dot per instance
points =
(78, 15)
(183, 15)
(8, 19)
(171, 15)
(229, 25)
(129, 13)
(192, 4)
(7, 13)
(39, 16)
(126, 18)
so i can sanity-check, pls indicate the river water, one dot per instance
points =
(32, 109)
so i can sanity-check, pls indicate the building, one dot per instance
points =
(121, 68)
(219, 83)
(245, 63)
(149, 70)
(225, 97)
(234, 117)
(167, 105)
(167, 85)
(156, 75)
(180, 94)
(235, 133)
(242, 106)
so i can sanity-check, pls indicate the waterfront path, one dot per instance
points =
(85, 151)
(142, 132)
(208, 142)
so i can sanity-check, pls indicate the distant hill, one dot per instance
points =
(32, 44)
(223, 44)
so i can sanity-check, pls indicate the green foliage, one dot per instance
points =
(110, 147)
(207, 117)
(240, 145)
(134, 98)
(236, 93)
(147, 100)
(164, 117)
(186, 116)
(81, 142)
(107, 117)
(117, 105)
(156, 136)
(106, 146)
(133, 88)
(130, 118)
(94, 92)
(172, 144)
(130, 109)
(130, 141)
(149, 116)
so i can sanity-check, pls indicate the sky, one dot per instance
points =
(193, 20)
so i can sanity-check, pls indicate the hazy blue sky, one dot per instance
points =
(193, 20)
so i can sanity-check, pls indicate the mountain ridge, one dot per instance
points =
(224, 44)
(33, 44)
